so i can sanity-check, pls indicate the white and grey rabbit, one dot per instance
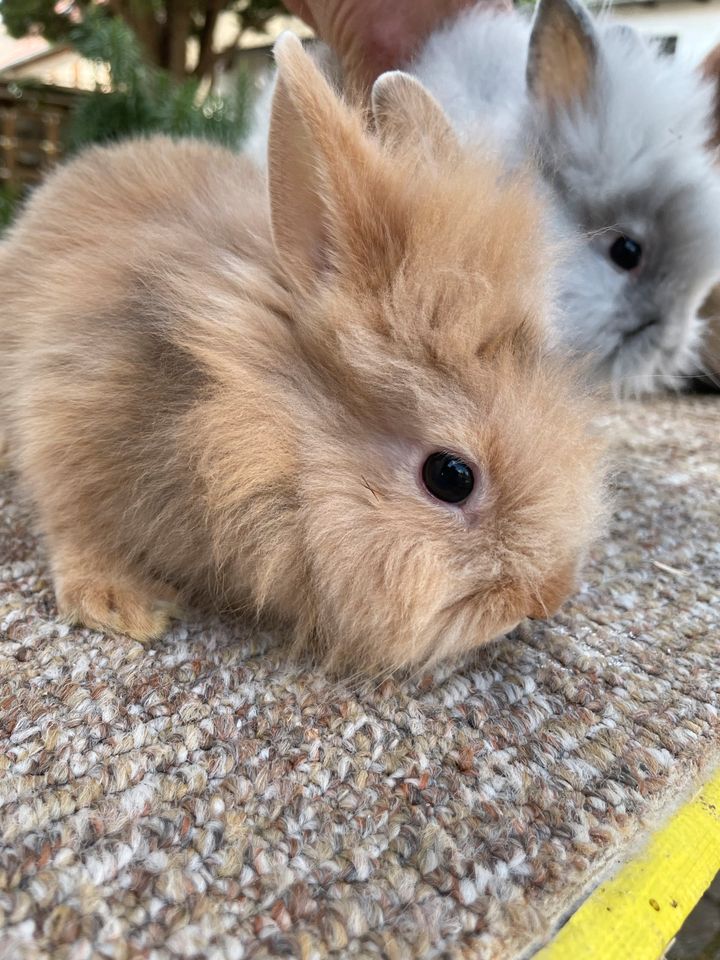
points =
(619, 133)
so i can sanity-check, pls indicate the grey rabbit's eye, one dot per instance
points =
(626, 253)
(448, 478)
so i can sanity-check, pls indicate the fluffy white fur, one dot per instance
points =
(630, 157)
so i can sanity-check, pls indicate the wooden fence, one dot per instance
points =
(32, 119)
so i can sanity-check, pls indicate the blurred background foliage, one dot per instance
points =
(9, 199)
(144, 98)
(158, 65)
(165, 30)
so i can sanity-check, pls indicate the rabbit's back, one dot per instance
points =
(129, 197)
(111, 227)
(125, 293)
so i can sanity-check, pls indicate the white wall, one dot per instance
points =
(696, 24)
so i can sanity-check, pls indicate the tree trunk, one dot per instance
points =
(206, 56)
(146, 28)
(176, 33)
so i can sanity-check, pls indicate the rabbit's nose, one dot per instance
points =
(540, 611)
(553, 593)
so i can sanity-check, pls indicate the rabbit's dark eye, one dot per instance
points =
(448, 478)
(626, 253)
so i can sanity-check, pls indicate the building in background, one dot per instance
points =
(57, 65)
(691, 28)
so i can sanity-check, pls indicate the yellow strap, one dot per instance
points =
(637, 913)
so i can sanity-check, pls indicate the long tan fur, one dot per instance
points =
(216, 398)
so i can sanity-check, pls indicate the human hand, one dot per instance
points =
(371, 36)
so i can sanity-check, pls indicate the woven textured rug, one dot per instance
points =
(205, 799)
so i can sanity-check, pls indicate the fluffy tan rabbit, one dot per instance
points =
(262, 397)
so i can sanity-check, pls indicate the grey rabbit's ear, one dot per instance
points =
(563, 54)
(404, 112)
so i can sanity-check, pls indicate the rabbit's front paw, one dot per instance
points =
(119, 604)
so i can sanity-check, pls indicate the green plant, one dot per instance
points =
(9, 201)
(144, 99)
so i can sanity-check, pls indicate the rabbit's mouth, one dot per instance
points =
(639, 328)
(629, 340)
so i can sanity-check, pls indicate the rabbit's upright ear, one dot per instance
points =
(404, 112)
(563, 55)
(329, 210)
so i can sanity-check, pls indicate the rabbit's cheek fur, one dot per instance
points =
(641, 325)
(641, 345)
